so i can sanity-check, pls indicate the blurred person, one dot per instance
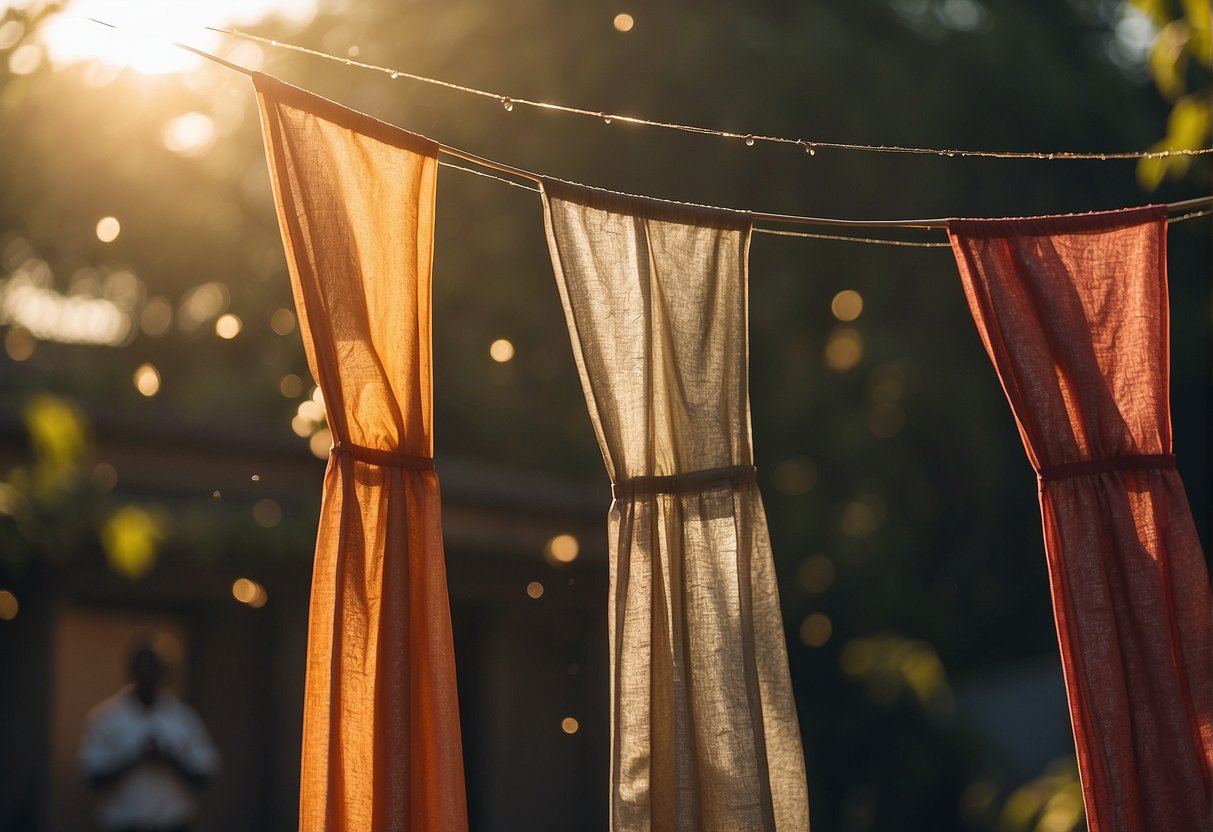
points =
(146, 752)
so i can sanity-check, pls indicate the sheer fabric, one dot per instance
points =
(704, 734)
(355, 198)
(1073, 312)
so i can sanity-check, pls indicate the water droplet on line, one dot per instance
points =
(395, 75)
(509, 105)
(749, 141)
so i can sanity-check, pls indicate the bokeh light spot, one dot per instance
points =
(105, 476)
(624, 22)
(857, 657)
(228, 326)
(25, 59)
(282, 321)
(886, 420)
(200, 304)
(816, 573)
(847, 305)
(291, 386)
(8, 605)
(157, 316)
(191, 134)
(795, 476)
(19, 344)
(861, 517)
(311, 410)
(147, 380)
(569, 725)
(534, 589)
(816, 629)
(563, 548)
(501, 351)
(10, 33)
(267, 513)
(248, 591)
(108, 229)
(321, 443)
(844, 349)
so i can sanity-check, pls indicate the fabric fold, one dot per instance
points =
(355, 200)
(1073, 313)
(704, 734)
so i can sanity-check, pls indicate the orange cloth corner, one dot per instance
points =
(1073, 312)
(381, 739)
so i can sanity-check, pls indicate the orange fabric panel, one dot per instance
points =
(381, 739)
(1073, 313)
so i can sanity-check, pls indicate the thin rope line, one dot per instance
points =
(1202, 213)
(909, 243)
(810, 147)
(532, 188)
(1201, 202)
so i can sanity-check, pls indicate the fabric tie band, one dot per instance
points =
(374, 456)
(683, 483)
(1131, 462)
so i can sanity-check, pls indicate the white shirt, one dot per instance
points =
(151, 794)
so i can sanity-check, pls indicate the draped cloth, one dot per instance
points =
(704, 734)
(1073, 312)
(355, 199)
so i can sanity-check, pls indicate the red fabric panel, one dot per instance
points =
(1073, 313)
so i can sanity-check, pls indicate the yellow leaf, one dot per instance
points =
(130, 538)
(57, 431)
(1188, 124)
(1158, 11)
(1168, 61)
(1198, 14)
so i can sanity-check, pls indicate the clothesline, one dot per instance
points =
(791, 219)
(660, 344)
(750, 139)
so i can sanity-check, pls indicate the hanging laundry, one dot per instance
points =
(1073, 312)
(704, 734)
(355, 199)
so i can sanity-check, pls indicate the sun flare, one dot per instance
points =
(140, 35)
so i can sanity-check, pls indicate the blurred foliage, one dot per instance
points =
(902, 510)
(1049, 803)
(1181, 64)
(58, 504)
(130, 536)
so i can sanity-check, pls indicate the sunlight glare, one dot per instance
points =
(190, 134)
(145, 32)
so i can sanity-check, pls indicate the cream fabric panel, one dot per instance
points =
(704, 734)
